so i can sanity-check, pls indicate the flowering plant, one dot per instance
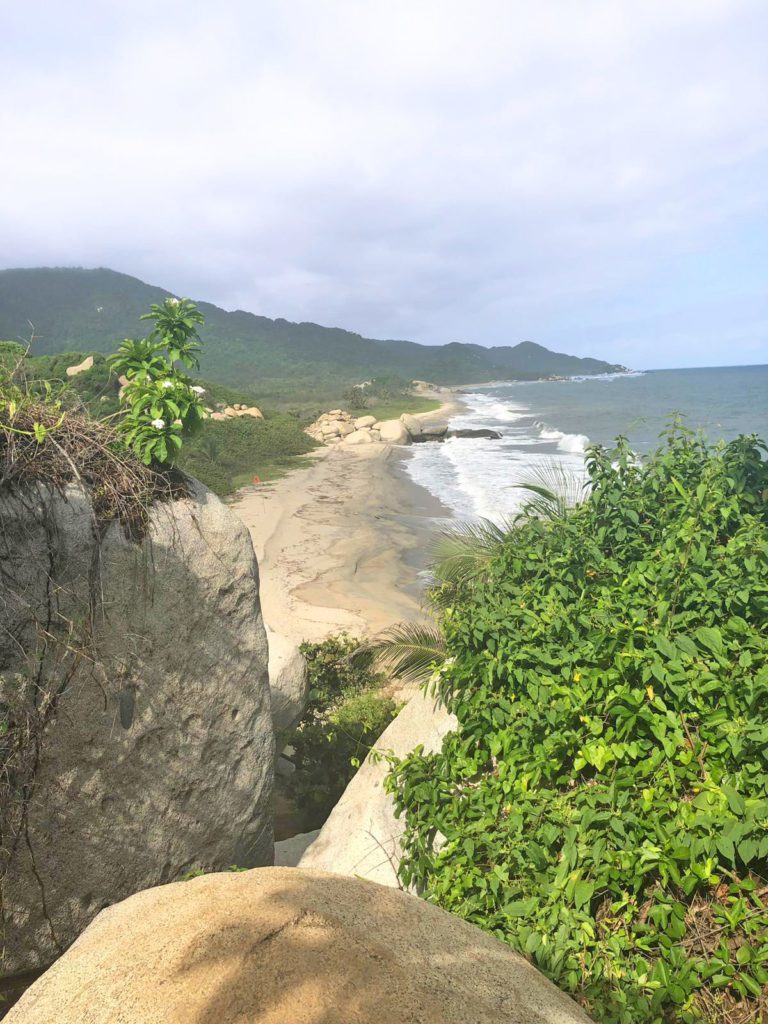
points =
(162, 405)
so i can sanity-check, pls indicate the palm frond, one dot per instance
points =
(463, 551)
(409, 650)
(555, 490)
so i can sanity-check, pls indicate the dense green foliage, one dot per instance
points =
(224, 455)
(161, 405)
(344, 716)
(228, 454)
(75, 309)
(603, 803)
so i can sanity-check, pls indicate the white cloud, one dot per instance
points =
(485, 171)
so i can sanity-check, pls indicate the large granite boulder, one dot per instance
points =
(288, 852)
(394, 432)
(285, 946)
(362, 835)
(134, 675)
(288, 681)
(73, 371)
(361, 436)
(412, 424)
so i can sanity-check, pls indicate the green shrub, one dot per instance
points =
(227, 454)
(355, 398)
(603, 804)
(11, 354)
(162, 405)
(333, 675)
(344, 717)
(328, 752)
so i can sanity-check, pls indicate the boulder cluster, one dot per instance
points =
(230, 411)
(339, 427)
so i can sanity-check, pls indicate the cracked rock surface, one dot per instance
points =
(287, 946)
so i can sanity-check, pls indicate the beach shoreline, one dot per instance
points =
(341, 543)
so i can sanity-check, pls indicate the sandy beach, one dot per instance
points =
(340, 543)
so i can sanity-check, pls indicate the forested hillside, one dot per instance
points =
(73, 309)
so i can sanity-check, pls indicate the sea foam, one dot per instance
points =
(476, 477)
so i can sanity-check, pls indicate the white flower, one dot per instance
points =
(158, 424)
(173, 302)
(167, 384)
(197, 389)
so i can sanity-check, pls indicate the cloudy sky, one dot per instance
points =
(590, 175)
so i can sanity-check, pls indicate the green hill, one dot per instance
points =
(88, 310)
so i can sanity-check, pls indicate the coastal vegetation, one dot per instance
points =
(161, 404)
(223, 455)
(602, 805)
(391, 407)
(346, 712)
(230, 453)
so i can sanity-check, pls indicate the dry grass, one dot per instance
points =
(78, 449)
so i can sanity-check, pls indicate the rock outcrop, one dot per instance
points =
(424, 387)
(232, 411)
(332, 426)
(288, 681)
(484, 432)
(394, 432)
(338, 427)
(360, 436)
(87, 363)
(362, 835)
(150, 747)
(285, 946)
(412, 424)
(288, 852)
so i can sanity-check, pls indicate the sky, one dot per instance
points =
(589, 175)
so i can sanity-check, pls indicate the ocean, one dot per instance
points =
(546, 421)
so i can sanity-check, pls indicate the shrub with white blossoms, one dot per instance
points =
(162, 405)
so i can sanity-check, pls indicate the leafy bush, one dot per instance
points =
(356, 398)
(11, 353)
(162, 404)
(344, 716)
(603, 803)
(333, 675)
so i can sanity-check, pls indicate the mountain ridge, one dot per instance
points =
(83, 310)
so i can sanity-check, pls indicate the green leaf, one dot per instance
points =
(711, 638)
(519, 908)
(752, 986)
(582, 893)
(735, 800)
(726, 847)
(747, 850)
